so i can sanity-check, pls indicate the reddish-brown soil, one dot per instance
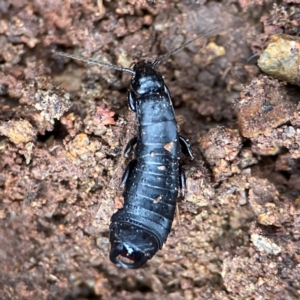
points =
(64, 125)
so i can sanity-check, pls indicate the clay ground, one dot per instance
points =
(64, 125)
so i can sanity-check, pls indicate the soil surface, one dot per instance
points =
(64, 125)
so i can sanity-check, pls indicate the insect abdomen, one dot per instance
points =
(155, 178)
(151, 190)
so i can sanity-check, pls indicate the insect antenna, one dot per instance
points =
(94, 62)
(253, 56)
(167, 55)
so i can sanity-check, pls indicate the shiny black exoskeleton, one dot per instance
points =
(152, 180)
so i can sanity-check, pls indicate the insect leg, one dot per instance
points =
(178, 215)
(131, 101)
(186, 147)
(128, 171)
(182, 180)
(130, 146)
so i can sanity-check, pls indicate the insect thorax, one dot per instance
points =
(146, 79)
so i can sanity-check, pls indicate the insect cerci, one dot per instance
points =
(153, 179)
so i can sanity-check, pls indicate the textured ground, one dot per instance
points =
(63, 126)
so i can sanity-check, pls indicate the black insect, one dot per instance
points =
(153, 179)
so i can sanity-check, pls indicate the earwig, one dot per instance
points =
(153, 179)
